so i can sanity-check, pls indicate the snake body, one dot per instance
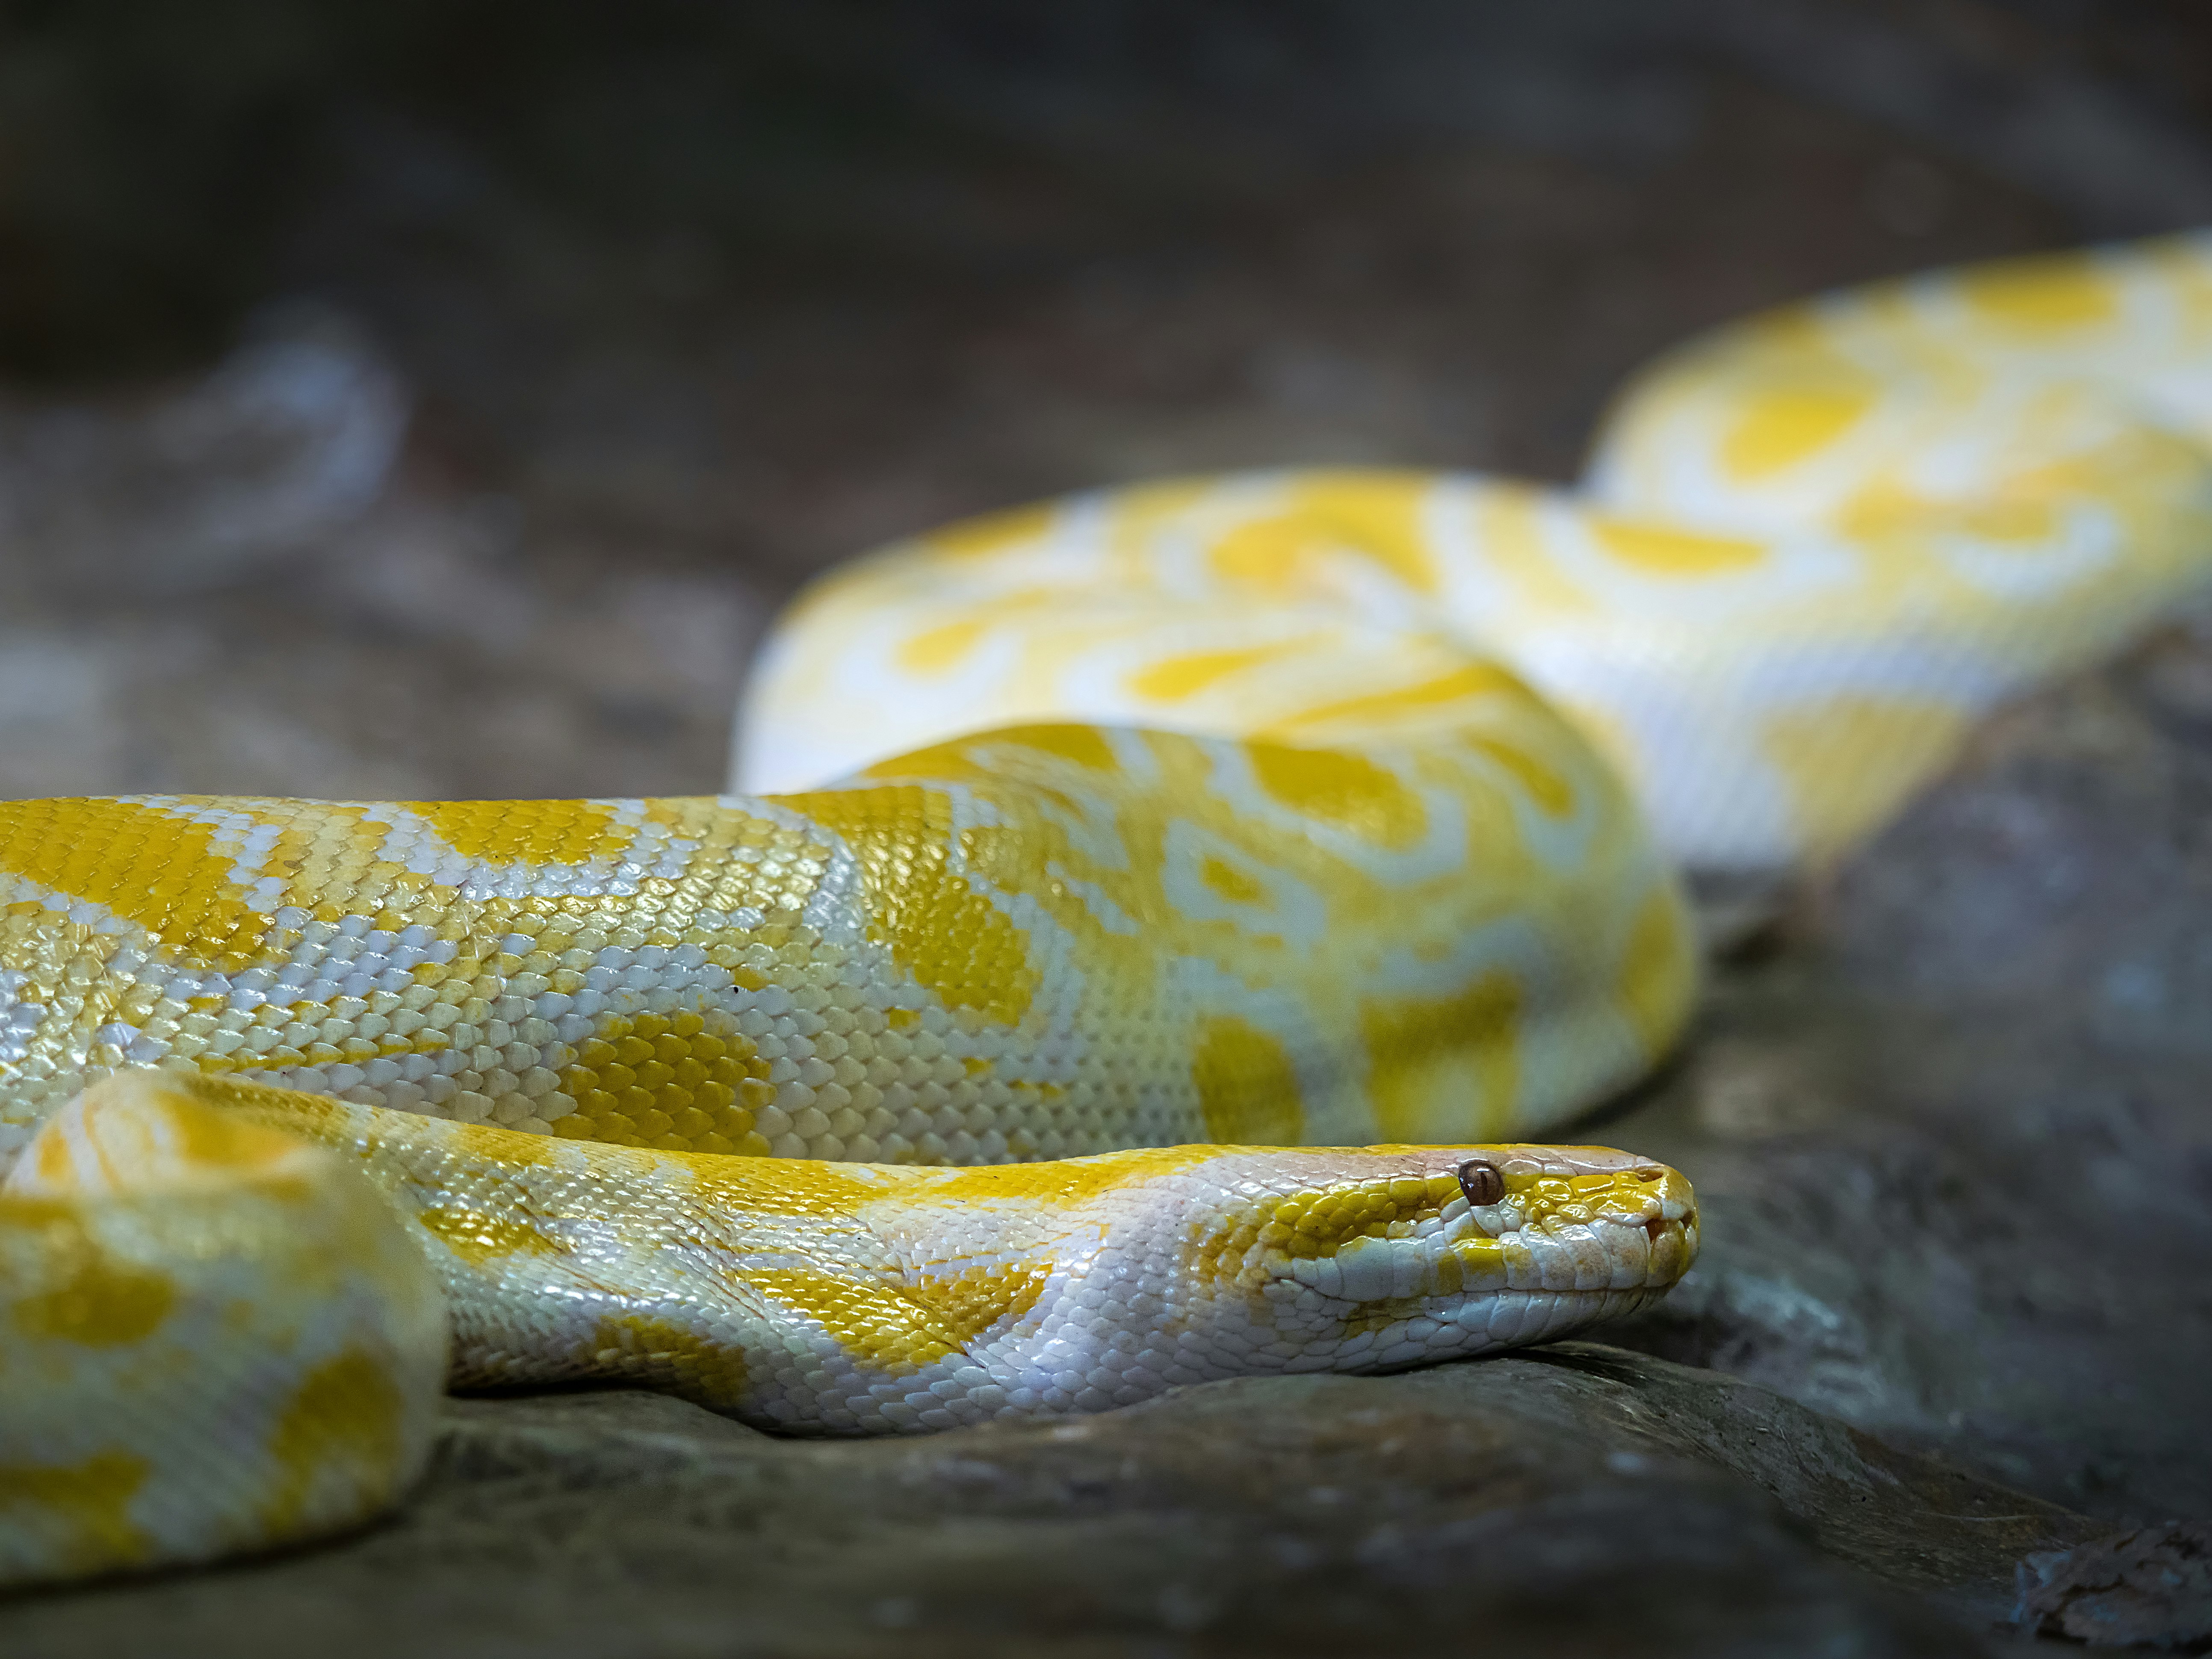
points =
(1182, 841)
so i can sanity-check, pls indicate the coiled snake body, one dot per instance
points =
(1256, 856)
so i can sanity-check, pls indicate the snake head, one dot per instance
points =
(1372, 1259)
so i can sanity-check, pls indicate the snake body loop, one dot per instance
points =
(1168, 906)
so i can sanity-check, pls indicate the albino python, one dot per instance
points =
(1221, 815)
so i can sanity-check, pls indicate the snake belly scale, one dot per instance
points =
(1211, 879)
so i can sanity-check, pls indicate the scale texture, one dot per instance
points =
(1212, 879)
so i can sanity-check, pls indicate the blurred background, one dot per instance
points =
(430, 399)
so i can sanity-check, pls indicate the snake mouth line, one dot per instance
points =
(1605, 1255)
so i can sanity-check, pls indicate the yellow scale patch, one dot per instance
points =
(937, 649)
(1062, 1183)
(90, 1500)
(1849, 761)
(684, 1082)
(1663, 551)
(1474, 681)
(476, 1237)
(1345, 791)
(336, 1441)
(526, 831)
(147, 864)
(1370, 515)
(899, 1328)
(954, 941)
(666, 1356)
(1314, 1225)
(1773, 430)
(99, 1302)
(1247, 1085)
(1658, 971)
(1176, 679)
(1463, 1048)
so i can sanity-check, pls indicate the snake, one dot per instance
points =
(1150, 924)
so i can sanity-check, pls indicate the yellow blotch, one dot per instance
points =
(489, 1142)
(1658, 978)
(665, 1356)
(992, 533)
(1444, 1068)
(1086, 745)
(143, 1127)
(1778, 427)
(2032, 523)
(338, 1445)
(216, 1139)
(965, 1304)
(282, 1113)
(1230, 883)
(954, 763)
(937, 649)
(1262, 553)
(1884, 506)
(779, 1186)
(1247, 1087)
(1373, 515)
(1062, 1183)
(91, 1498)
(476, 1237)
(1475, 680)
(1178, 677)
(1342, 789)
(1545, 786)
(145, 864)
(1478, 1261)
(706, 820)
(940, 763)
(54, 1160)
(951, 938)
(1666, 552)
(678, 1082)
(2043, 297)
(526, 831)
(879, 1324)
(1850, 761)
(98, 1301)
(1311, 1225)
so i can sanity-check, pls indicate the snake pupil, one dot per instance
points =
(1481, 1182)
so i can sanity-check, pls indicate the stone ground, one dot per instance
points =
(494, 497)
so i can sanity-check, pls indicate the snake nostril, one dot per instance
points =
(1649, 1172)
(1656, 1228)
(1481, 1183)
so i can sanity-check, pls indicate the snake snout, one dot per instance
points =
(1589, 1220)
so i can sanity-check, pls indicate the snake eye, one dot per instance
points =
(1481, 1183)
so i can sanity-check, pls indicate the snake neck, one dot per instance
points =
(858, 1299)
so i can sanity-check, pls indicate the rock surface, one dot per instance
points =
(2148, 1588)
(1556, 1504)
(1954, 1142)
